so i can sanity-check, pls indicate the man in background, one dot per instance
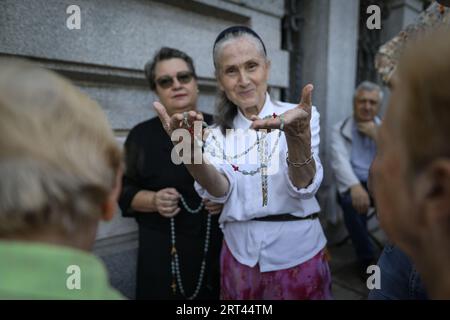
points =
(353, 147)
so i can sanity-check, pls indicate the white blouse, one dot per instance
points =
(273, 245)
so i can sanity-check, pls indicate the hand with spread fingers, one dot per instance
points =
(296, 126)
(177, 120)
(204, 173)
(293, 122)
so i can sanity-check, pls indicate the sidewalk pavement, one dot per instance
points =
(347, 284)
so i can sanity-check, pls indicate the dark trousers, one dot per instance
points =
(357, 228)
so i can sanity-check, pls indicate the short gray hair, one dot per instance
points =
(368, 86)
(234, 36)
(58, 155)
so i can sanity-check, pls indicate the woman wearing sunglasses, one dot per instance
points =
(179, 237)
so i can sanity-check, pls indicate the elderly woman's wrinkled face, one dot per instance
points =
(397, 206)
(242, 73)
(175, 85)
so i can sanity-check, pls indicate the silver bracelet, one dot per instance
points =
(298, 164)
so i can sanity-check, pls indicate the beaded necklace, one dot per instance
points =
(212, 151)
(217, 143)
(175, 263)
(264, 157)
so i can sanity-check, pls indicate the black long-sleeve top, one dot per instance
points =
(149, 167)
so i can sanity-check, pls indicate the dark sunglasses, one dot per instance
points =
(183, 77)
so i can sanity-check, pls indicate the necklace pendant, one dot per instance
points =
(264, 192)
(264, 162)
(173, 251)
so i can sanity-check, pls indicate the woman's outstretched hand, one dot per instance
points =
(177, 120)
(205, 174)
(295, 121)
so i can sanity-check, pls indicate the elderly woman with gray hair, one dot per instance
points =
(261, 161)
(61, 171)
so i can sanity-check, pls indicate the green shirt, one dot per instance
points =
(30, 270)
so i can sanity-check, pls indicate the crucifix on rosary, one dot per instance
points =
(263, 158)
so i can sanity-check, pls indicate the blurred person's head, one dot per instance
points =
(242, 71)
(412, 167)
(60, 165)
(366, 101)
(171, 74)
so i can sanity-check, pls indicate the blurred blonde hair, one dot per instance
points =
(424, 71)
(58, 154)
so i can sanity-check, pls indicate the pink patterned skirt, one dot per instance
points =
(310, 280)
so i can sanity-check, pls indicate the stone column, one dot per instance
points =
(329, 44)
(401, 13)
